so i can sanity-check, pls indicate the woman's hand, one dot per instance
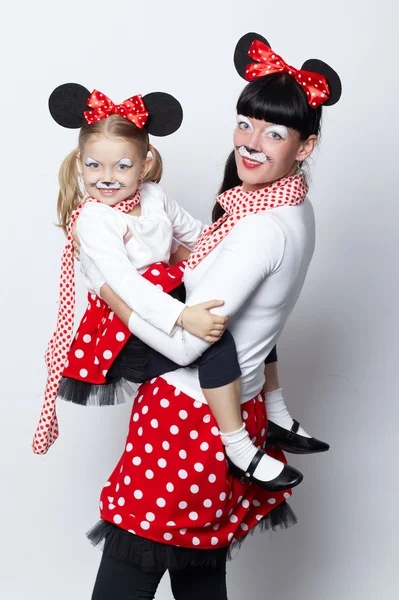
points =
(199, 321)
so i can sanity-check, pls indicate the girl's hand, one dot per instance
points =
(199, 321)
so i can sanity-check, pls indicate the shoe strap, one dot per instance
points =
(252, 466)
(294, 429)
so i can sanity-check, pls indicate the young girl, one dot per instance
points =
(112, 155)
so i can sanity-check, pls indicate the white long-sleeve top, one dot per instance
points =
(258, 270)
(101, 230)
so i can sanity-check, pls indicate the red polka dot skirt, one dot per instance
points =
(172, 486)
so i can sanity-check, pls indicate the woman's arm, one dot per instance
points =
(251, 252)
(101, 233)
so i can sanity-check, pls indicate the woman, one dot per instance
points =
(158, 510)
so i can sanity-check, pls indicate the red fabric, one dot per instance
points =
(238, 204)
(172, 484)
(101, 335)
(267, 62)
(58, 347)
(132, 109)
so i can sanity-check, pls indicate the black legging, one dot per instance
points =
(117, 580)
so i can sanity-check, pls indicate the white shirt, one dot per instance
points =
(101, 229)
(258, 270)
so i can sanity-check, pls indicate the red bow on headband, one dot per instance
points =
(132, 109)
(268, 62)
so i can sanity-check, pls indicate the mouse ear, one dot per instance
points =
(166, 113)
(334, 82)
(241, 57)
(67, 104)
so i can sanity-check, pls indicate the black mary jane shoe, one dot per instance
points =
(288, 478)
(291, 441)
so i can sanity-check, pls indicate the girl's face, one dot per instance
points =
(111, 168)
(266, 152)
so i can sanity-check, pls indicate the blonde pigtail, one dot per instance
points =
(155, 171)
(70, 194)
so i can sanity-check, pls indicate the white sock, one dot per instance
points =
(278, 412)
(241, 450)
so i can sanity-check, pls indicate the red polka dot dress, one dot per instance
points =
(171, 491)
(105, 359)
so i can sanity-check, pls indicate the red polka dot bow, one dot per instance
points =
(58, 347)
(267, 62)
(238, 204)
(132, 109)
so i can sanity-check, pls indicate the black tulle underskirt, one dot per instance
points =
(126, 372)
(156, 556)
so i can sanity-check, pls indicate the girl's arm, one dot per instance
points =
(101, 230)
(186, 229)
(251, 251)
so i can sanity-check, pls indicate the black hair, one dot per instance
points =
(275, 98)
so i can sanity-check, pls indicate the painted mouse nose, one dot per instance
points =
(251, 150)
(107, 183)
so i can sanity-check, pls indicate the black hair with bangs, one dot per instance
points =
(278, 99)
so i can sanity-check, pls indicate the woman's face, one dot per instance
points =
(266, 152)
(111, 168)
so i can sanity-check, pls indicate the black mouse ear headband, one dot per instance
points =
(254, 58)
(160, 113)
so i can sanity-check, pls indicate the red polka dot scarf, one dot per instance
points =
(58, 347)
(238, 204)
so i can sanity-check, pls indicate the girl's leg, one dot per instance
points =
(219, 373)
(118, 580)
(275, 404)
(284, 432)
(197, 583)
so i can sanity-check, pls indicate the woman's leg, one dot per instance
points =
(118, 580)
(197, 583)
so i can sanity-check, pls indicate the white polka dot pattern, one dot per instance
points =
(192, 501)
(267, 62)
(132, 109)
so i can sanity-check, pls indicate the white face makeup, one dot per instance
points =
(264, 152)
(106, 185)
(124, 163)
(244, 123)
(277, 132)
(91, 162)
(259, 157)
(111, 168)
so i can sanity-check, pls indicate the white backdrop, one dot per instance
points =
(338, 353)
